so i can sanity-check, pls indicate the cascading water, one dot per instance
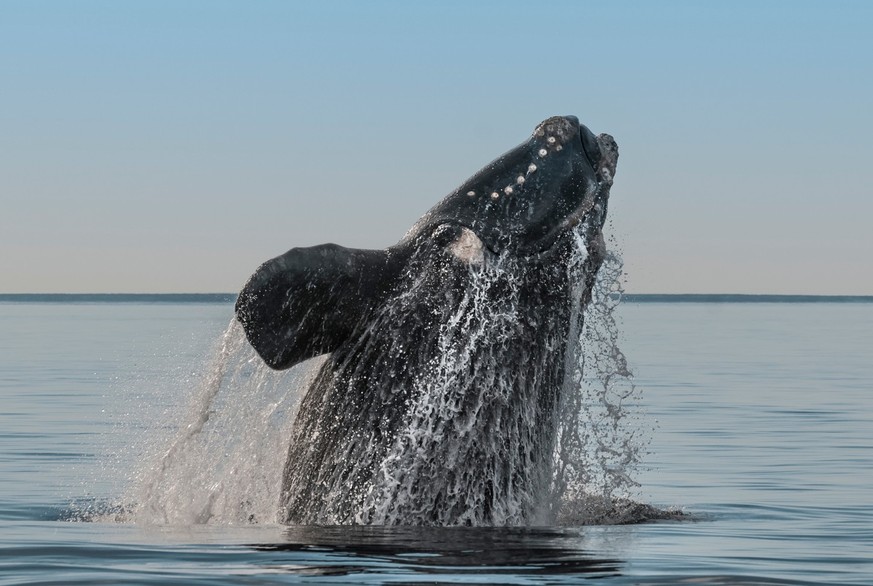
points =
(470, 425)
(225, 464)
(603, 433)
(471, 397)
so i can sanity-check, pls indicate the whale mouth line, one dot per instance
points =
(590, 146)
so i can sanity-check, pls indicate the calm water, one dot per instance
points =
(764, 436)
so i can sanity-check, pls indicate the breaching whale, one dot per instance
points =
(438, 403)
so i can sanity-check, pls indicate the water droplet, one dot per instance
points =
(520, 179)
(471, 193)
(507, 190)
(531, 168)
(551, 140)
(494, 195)
(543, 152)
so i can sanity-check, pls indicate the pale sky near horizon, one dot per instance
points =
(173, 146)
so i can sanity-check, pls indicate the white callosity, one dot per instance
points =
(468, 248)
(550, 142)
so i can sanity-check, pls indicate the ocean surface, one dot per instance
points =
(758, 410)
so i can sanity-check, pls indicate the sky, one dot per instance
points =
(174, 146)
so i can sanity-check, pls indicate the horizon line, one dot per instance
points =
(224, 297)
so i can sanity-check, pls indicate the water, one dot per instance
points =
(764, 438)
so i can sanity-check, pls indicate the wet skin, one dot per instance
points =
(379, 314)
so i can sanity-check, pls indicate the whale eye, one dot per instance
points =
(589, 145)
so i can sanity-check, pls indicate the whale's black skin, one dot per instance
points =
(375, 312)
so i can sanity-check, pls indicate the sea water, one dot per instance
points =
(762, 412)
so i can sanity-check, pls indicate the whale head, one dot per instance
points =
(523, 200)
(311, 301)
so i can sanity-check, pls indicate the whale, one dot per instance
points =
(446, 362)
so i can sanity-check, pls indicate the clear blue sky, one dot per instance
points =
(173, 146)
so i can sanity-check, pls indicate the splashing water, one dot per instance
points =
(225, 464)
(463, 402)
(603, 432)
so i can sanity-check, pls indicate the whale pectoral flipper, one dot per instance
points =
(308, 301)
